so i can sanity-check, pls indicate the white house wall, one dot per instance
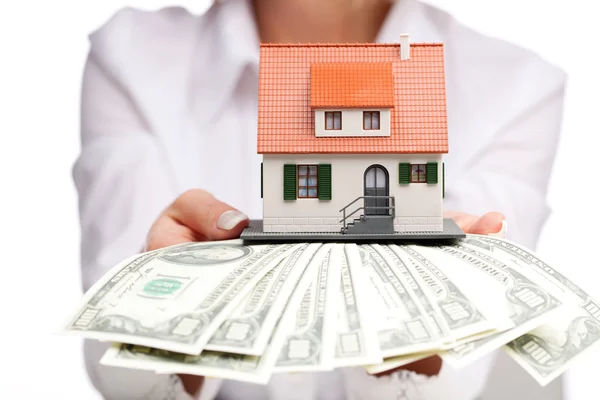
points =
(352, 124)
(419, 206)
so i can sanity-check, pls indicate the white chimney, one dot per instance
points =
(404, 46)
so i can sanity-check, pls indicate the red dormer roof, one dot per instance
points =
(293, 78)
(344, 85)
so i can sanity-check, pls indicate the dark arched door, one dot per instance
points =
(376, 183)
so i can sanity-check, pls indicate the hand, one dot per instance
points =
(487, 224)
(195, 216)
(490, 223)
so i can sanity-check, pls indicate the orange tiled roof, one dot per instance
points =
(285, 117)
(341, 85)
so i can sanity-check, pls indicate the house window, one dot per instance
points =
(371, 120)
(307, 181)
(333, 120)
(418, 173)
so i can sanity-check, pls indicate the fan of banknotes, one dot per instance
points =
(245, 312)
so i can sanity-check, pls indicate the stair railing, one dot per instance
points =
(392, 207)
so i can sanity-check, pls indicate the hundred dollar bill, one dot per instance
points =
(311, 344)
(440, 329)
(248, 328)
(247, 368)
(173, 298)
(527, 302)
(356, 342)
(402, 324)
(547, 351)
(467, 311)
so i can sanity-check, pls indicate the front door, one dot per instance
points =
(377, 184)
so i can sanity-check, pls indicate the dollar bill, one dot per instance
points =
(248, 328)
(467, 311)
(548, 350)
(356, 340)
(402, 324)
(440, 329)
(311, 344)
(396, 362)
(173, 298)
(528, 300)
(241, 367)
(252, 369)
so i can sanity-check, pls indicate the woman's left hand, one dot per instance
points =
(490, 223)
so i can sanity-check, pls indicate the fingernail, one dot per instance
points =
(502, 232)
(230, 219)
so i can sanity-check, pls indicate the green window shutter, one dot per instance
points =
(261, 180)
(324, 181)
(404, 173)
(432, 172)
(443, 180)
(290, 184)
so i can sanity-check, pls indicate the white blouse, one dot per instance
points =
(169, 103)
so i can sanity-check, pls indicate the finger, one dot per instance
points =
(463, 220)
(206, 216)
(488, 223)
(167, 232)
(429, 366)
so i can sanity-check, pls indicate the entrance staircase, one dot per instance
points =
(362, 222)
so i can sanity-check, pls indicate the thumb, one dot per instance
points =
(208, 217)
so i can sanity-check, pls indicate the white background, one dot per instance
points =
(43, 45)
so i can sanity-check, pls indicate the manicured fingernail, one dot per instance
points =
(502, 232)
(230, 219)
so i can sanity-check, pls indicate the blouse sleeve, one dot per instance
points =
(510, 174)
(123, 184)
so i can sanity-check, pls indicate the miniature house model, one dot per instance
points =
(352, 137)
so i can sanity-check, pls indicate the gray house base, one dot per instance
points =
(254, 233)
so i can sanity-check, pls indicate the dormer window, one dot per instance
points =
(333, 120)
(371, 120)
(352, 99)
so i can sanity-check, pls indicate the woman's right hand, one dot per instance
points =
(195, 216)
